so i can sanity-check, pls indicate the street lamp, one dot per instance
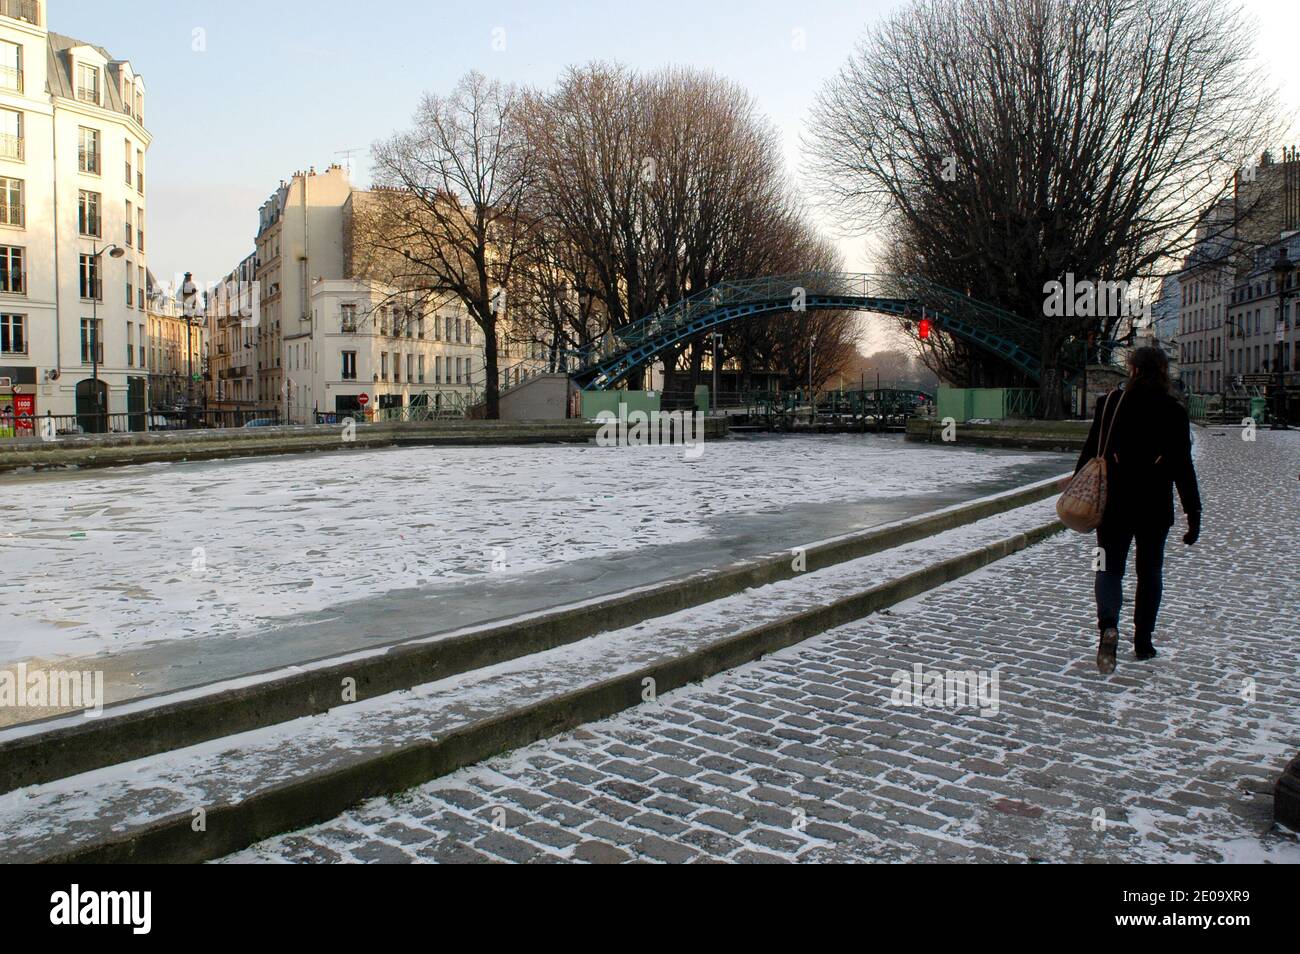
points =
(1282, 269)
(97, 285)
(189, 295)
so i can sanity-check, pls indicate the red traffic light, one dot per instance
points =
(924, 328)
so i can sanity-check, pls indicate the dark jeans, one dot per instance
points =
(1115, 541)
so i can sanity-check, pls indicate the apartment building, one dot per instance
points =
(1221, 279)
(328, 338)
(1263, 333)
(73, 309)
(299, 239)
(230, 368)
(175, 350)
(369, 341)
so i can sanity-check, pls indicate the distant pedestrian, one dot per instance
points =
(1148, 453)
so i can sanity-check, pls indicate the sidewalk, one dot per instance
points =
(802, 756)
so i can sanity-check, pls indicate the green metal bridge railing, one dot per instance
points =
(611, 358)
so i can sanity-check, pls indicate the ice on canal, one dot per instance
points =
(108, 561)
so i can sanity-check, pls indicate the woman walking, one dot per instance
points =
(1148, 453)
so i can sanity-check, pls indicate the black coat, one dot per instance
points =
(1150, 453)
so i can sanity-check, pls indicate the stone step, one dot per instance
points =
(207, 800)
(39, 752)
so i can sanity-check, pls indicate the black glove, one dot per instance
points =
(1193, 529)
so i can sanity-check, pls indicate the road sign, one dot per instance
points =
(1257, 380)
(363, 399)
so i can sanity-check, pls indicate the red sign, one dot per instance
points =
(24, 412)
(363, 399)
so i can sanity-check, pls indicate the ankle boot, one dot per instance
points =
(1106, 651)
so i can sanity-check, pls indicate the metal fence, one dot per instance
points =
(47, 426)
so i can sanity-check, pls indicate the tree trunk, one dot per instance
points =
(1050, 405)
(491, 373)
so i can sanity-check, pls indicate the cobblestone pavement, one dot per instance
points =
(803, 756)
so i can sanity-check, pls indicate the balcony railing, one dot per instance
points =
(11, 146)
(28, 10)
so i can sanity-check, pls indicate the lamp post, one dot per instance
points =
(812, 398)
(97, 285)
(189, 294)
(717, 336)
(1283, 268)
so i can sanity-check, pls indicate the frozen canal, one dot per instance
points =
(180, 574)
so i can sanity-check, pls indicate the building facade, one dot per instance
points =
(73, 309)
(1223, 314)
(175, 351)
(367, 341)
(1262, 337)
(327, 340)
(230, 366)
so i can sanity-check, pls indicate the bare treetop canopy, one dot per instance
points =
(1003, 144)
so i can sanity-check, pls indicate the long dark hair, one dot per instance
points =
(1148, 367)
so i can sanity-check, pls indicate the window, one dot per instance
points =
(88, 150)
(126, 146)
(139, 171)
(13, 334)
(139, 231)
(139, 288)
(410, 366)
(383, 366)
(397, 367)
(458, 370)
(12, 278)
(91, 287)
(130, 286)
(409, 324)
(130, 345)
(12, 208)
(422, 367)
(458, 339)
(88, 222)
(11, 66)
(347, 317)
(86, 341)
(88, 83)
(419, 328)
(130, 232)
(437, 370)
(12, 145)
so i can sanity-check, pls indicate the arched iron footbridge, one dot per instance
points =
(618, 354)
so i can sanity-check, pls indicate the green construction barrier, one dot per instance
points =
(593, 402)
(994, 404)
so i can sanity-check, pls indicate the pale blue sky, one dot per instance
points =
(287, 84)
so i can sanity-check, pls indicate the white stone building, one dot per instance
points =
(72, 224)
(323, 337)
(365, 341)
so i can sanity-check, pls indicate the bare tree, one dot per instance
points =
(447, 219)
(658, 206)
(1008, 143)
